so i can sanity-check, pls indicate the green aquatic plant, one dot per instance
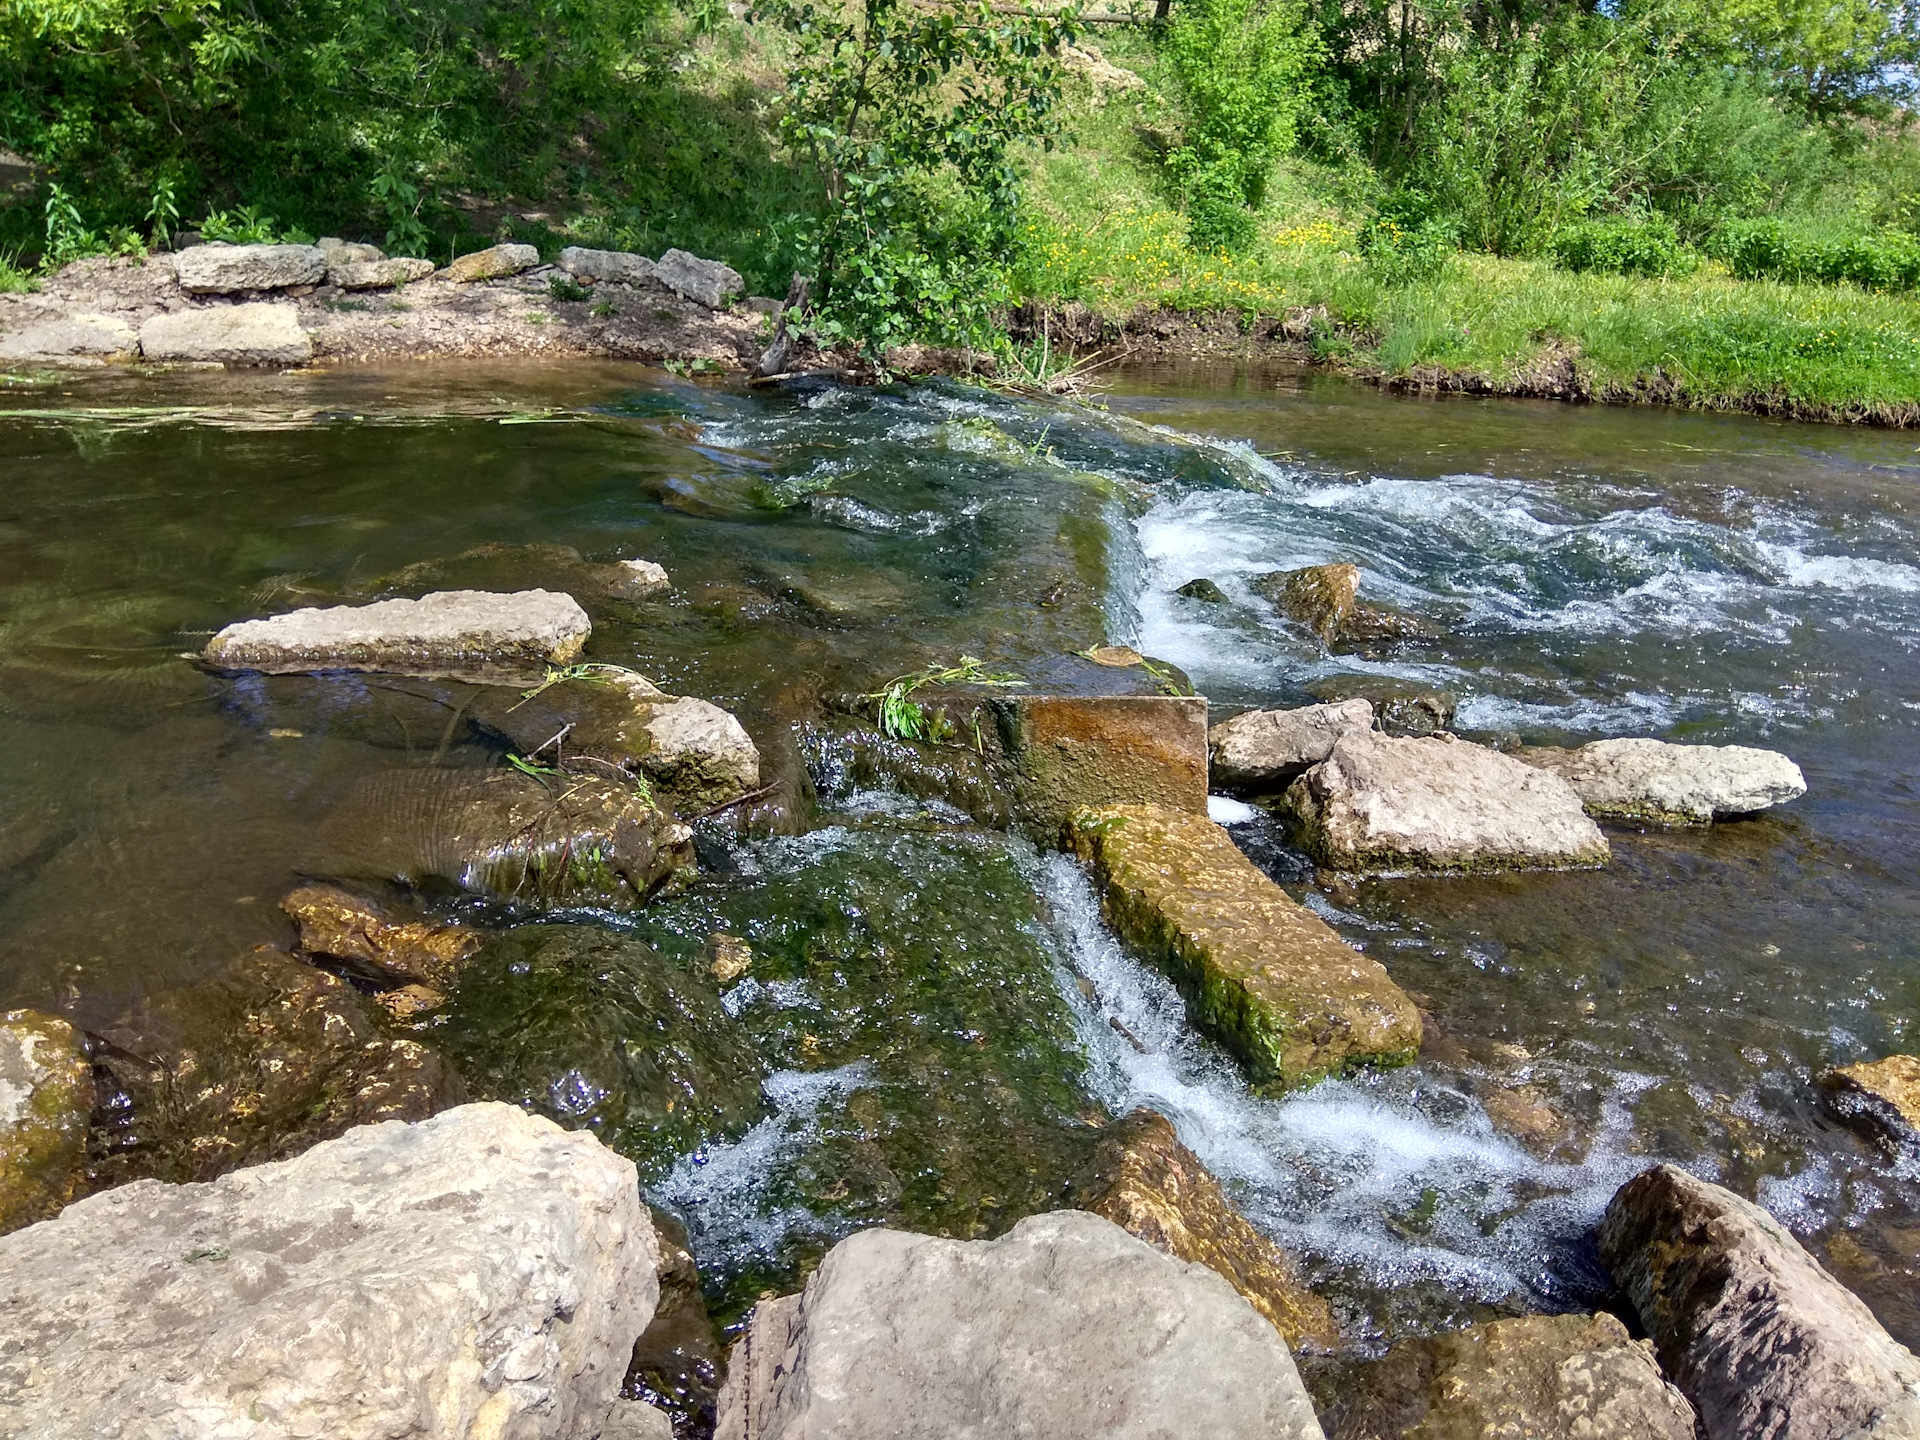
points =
(596, 672)
(904, 718)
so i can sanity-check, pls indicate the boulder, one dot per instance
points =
(1066, 1327)
(219, 269)
(1542, 1377)
(378, 274)
(1264, 750)
(1265, 975)
(636, 1420)
(481, 1273)
(346, 252)
(449, 632)
(71, 337)
(1400, 707)
(1881, 1099)
(540, 840)
(46, 1094)
(368, 939)
(705, 282)
(258, 1063)
(1439, 803)
(492, 263)
(599, 265)
(1324, 599)
(1203, 590)
(258, 334)
(645, 580)
(700, 755)
(1762, 1340)
(1145, 1181)
(1654, 781)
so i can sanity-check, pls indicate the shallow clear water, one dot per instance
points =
(1593, 572)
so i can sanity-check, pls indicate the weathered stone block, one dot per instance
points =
(378, 274)
(705, 282)
(71, 337)
(615, 265)
(259, 334)
(1076, 752)
(1264, 750)
(492, 263)
(219, 269)
(1657, 782)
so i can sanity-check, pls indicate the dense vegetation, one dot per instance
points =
(1713, 198)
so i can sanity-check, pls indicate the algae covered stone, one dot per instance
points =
(1882, 1099)
(1074, 752)
(447, 632)
(1267, 976)
(345, 927)
(1658, 782)
(493, 263)
(46, 1093)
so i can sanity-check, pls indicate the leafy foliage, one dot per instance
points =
(1774, 249)
(904, 718)
(1645, 245)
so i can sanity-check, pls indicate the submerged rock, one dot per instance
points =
(1267, 976)
(481, 1273)
(1203, 590)
(1882, 1099)
(1438, 803)
(616, 265)
(705, 282)
(541, 840)
(1542, 1377)
(1263, 750)
(1067, 1327)
(1324, 599)
(1150, 1185)
(1660, 783)
(260, 1063)
(492, 263)
(677, 1361)
(220, 269)
(46, 1094)
(447, 632)
(346, 928)
(1762, 1340)
(229, 335)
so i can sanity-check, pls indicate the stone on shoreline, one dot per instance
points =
(492, 263)
(480, 1273)
(705, 282)
(1264, 750)
(46, 1095)
(1066, 1327)
(616, 265)
(220, 269)
(1267, 976)
(254, 334)
(447, 632)
(1657, 782)
(378, 274)
(71, 337)
(1881, 1099)
(1438, 803)
(1762, 1340)
(1144, 1180)
(347, 252)
(343, 927)
(1544, 1377)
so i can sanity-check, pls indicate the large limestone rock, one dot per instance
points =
(1144, 1180)
(259, 334)
(1542, 1377)
(378, 274)
(1267, 976)
(447, 632)
(598, 265)
(218, 269)
(361, 935)
(1881, 1099)
(1064, 1328)
(492, 263)
(705, 282)
(1762, 1340)
(72, 337)
(1264, 750)
(1657, 782)
(559, 840)
(698, 753)
(46, 1094)
(1438, 803)
(483, 1273)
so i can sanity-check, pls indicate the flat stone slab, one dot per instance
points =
(447, 632)
(218, 269)
(1078, 752)
(480, 1273)
(1657, 782)
(378, 274)
(1066, 1328)
(598, 265)
(73, 337)
(1761, 1339)
(1270, 978)
(255, 334)
(1264, 750)
(1439, 803)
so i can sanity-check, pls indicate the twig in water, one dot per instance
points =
(764, 790)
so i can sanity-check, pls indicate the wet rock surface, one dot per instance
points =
(1066, 1327)
(1291, 999)
(1074, 752)
(1542, 1377)
(1145, 1181)
(1377, 803)
(46, 1095)
(482, 1273)
(1657, 782)
(1761, 1339)
(448, 631)
(255, 334)
(1324, 600)
(1881, 1099)
(367, 937)
(1262, 751)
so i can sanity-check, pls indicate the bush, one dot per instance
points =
(1774, 249)
(1404, 248)
(1644, 245)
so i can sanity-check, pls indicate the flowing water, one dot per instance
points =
(933, 1002)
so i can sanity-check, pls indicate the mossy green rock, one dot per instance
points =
(46, 1093)
(1265, 975)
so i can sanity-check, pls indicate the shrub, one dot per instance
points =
(1776, 249)
(1645, 245)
